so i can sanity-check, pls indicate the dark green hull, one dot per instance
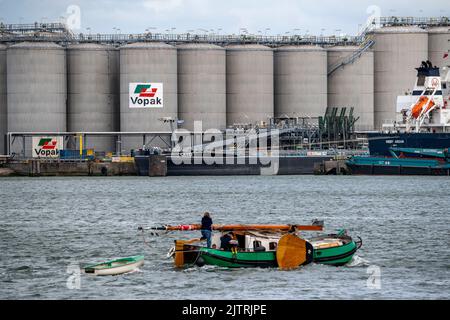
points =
(336, 256)
(227, 259)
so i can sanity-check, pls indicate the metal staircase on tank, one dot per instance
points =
(355, 55)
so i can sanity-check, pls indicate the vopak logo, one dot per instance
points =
(47, 147)
(146, 95)
(47, 144)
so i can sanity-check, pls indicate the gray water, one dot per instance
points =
(47, 224)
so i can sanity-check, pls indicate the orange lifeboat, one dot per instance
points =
(417, 108)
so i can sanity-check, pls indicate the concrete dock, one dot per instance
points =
(68, 168)
(331, 167)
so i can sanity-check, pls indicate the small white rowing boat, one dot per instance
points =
(115, 267)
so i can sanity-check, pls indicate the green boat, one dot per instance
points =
(115, 267)
(260, 250)
(334, 249)
(240, 259)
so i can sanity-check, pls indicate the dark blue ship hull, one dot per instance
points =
(379, 143)
(288, 165)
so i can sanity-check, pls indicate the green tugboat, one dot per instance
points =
(265, 246)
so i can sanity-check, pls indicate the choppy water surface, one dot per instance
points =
(46, 224)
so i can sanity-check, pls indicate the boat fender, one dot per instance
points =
(171, 252)
(200, 262)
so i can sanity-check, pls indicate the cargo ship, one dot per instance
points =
(423, 115)
(381, 143)
(419, 142)
(282, 165)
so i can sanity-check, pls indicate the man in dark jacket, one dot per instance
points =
(225, 241)
(207, 228)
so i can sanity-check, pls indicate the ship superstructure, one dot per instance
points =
(427, 107)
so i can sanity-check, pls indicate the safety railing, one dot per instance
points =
(355, 55)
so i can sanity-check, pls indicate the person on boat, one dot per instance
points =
(206, 229)
(225, 241)
(234, 246)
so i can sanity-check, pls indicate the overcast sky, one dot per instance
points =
(270, 17)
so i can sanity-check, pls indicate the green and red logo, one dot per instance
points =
(146, 95)
(145, 91)
(47, 147)
(47, 144)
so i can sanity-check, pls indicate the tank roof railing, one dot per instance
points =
(37, 37)
(414, 21)
(54, 31)
(35, 27)
(119, 39)
(217, 39)
(59, 32)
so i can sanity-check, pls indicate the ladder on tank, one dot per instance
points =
(351, 58)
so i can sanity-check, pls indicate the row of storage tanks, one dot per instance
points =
(84, 87)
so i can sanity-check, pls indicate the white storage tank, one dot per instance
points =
(250, 97)
(397, 52)
(300, 74)
(149, 65)
(438, 46)
(352, 85)
(202, 86)
(37, 88)
(93, 95)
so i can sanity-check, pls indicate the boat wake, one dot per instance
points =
(137, 270)
(357, 261)
(206, 268)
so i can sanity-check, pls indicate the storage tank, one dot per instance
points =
(438, 45)
(3, 115)
(300, 74)
(397, 52)
(36, 88)
(93, 93)
(202, 85)
(249, 84)
(352, 85)
(147, 63)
